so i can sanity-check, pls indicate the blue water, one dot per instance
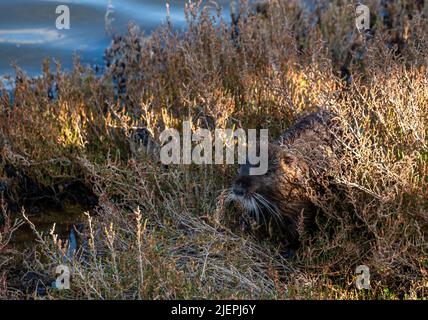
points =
(28, 32)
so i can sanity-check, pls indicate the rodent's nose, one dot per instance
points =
(241, 186)
(238, 190)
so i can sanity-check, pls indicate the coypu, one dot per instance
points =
(301, 161)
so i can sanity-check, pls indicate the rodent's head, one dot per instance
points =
(259, 193)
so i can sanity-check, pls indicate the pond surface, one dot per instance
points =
(28, 32)
(64, 220)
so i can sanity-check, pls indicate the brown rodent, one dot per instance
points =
(300, 160)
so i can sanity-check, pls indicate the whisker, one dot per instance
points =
(263, 202)
(271, 208)
(254, 205)
(259, 210)
(228, 196)
(255, 209)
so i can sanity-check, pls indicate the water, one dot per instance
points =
(28, 32)
(65, 221)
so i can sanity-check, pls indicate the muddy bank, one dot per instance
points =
(60, 207)
(63, 204)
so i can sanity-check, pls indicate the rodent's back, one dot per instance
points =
(315, 140)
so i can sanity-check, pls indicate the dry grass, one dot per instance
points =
(164, 232)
